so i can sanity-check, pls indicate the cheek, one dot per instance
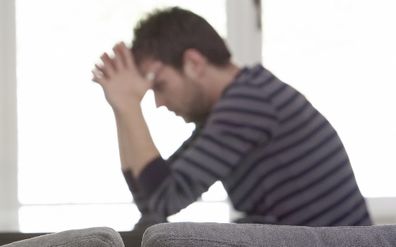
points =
(178, 92)
(173, 98)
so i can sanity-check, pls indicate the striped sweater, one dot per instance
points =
(278, 158)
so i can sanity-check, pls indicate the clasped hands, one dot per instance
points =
(120, 79)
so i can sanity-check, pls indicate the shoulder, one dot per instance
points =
(256, 75)
(251, 87)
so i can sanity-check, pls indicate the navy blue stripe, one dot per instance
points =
(241, 138)
(242, 72)
(278, 91)
(281, 167)
(242, 125)
(271, 78)
(247, 74)
(365, 217)
(187, 179)
(213, 156)
(330, 207)
(295, 113)
(184, 146)
(235, 109)
(298, 127)
(349, 210)
(268, 81)
(301, 140)
(318, 197)
(288, 101)
(256, 71)
(246, 96)
(261, 159)
(253, 83)
(196, 186)
(276, 169)
(290, 179)
(221, 144)
(204, 169)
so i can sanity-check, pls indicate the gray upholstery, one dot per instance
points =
(98, 237)
(221, 235)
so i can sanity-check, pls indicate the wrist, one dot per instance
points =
(128, 107)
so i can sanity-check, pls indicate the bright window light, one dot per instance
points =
(342, 55)
(68, 151)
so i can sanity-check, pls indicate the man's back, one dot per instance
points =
(299, 174)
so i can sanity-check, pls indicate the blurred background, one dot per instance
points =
(59, 164)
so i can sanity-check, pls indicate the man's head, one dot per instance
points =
(166, 34)
(177, 49)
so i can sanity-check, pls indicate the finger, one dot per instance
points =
(127, 56)
(108, 68)
(97, 76)
(98, 67)
(99, 70)
(119, 62)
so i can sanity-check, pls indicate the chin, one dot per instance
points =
(187, 120)
(194, 119)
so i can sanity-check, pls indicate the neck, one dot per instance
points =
(219, 79)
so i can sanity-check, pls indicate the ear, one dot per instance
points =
(194, 63)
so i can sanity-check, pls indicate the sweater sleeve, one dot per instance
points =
(237, 124)
(151, 178)
(140, 199)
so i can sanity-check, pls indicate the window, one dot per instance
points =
(68, 155)
(341, 54)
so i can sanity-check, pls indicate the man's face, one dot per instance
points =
(175, 90)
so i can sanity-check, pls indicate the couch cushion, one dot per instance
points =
(98, 237)
(222, 235)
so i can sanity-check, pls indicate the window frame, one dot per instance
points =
(8, 132)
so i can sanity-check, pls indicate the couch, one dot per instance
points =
(91, 237)
(253, 235)
(224, 235)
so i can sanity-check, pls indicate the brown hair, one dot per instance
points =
(165, 34)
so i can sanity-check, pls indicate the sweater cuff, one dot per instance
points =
(152, 176)
(131, 181)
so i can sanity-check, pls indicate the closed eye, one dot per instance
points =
(159, 85)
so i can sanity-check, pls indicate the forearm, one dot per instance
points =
(136, 146)
(124, 88)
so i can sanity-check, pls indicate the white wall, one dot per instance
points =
(8, 145)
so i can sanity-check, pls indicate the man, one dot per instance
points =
(279, 159)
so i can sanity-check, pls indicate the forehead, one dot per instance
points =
(148, 66)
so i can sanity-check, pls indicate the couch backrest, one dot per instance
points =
(91, 237)
(253, 235)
